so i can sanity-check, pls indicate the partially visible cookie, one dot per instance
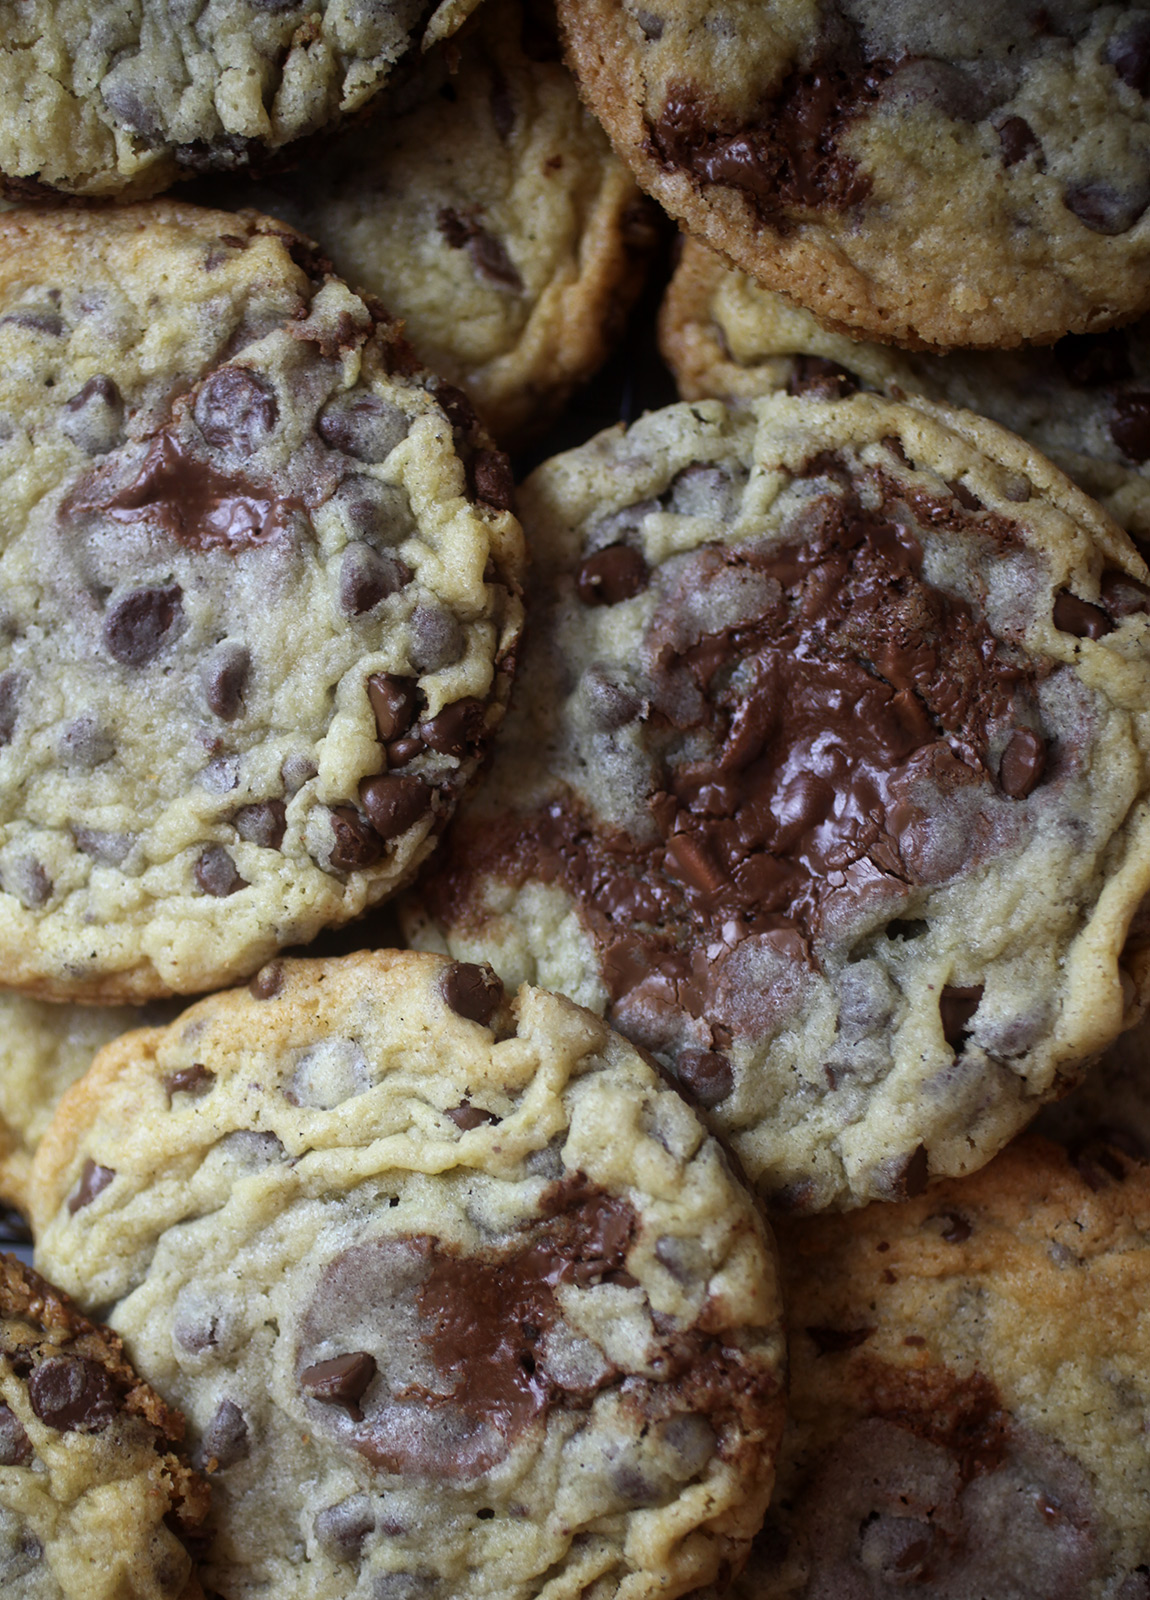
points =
(969, 1397)
(98, 99)
(96, 1499)
(445, 1284)
(491, 215)
(848, 153)
(259, 589)
(827, 779)
(1109, 1111)
(1085, 403)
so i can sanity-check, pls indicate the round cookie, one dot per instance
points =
(242, 545)
(96, 1500)
(969, 1395)
(101, 99)
(447, 1286)
(827, 779)
(491, 215)
(848, 153)
(1085, 403)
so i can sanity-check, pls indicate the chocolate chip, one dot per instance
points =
(1104, 209)
(1130, 425)
(502, 105)
(1123, 596)
(195, 1080)
(956, 1007)
(15, 1445)
(341, 1529)
(362, 425)
(297, 770)
(820, 379)
(393, 703)
(650, 25)
(458, 728)
(1093, 360)
(216, 873)
(1018, 140)
(236, 410)
(356, 844)
(224, 675)
(466, 1116)
(378, 512)
(611, 575)
(267, 982)
(494, 480)
(110, 849)
(11, 687)
(25, 879)
(72, 1394)
(263, 824)
(957, 1230)
(84, 743)
(833, 1341)
(707, 1074)
(912, 1179)
(366, 577)
(226, 1437)
(401, 751)
(94, 1180)
(437, 639)
(457, 407)
(1128, 52)
(394, 804)
(138, 626)
(471, 991)
(37, 320)
(93, 417)
(1023, 763)
(1080, 618)
(342, 1381)
(488, 254)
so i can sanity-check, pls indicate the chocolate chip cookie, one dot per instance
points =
(444, 1283)
(259, 594)
(1085, 402)
(827, 781)
(491, 215)
(969, 1393)
(101, 99)
(921, 174)
(96, 1500)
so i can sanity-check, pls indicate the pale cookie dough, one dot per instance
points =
(1085, 403)
(459, 1298)
(923, 174)
(970, 1394)
(100, 98)
(242, 547)
(492, 216)
(827, 781)
(96, 1499)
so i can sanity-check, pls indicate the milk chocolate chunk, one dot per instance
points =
(457, 729)
(395, 804)
(1123, 596)
(84, 743)
(1018, 140)
(833, 1341)
(366, 577)
(466, 1116)
(267, 982)
(264, 823)
(356, 844)
(707, 1074)
(1105, 209)
(110, 849)
(821, 379)
(393, 703)
(471, 991)
(72, 1394)
(15, 1445)
(342, 1528)
(217, 874)
(226, 1439)
(94, 1179)
(1128, 52)
(138, 626)
(957, 1230)
(224, 675)
(488, 254)
(494, 480)
(437, 639)
(92, 418)
(236, 410)
(1023, 763)
(11, 686)
(401, 751)
(956, 1006)
(195, 1080)
(1079, 617)
(362, 425)
(1130, 424)
(611, 575)
(342, 1381)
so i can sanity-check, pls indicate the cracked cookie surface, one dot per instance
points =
(456, 1295)
(846, 152)
(259, 591)
(96, 1499)
(103, 99)
(826, 782)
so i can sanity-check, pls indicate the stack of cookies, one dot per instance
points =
(526, 1000)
